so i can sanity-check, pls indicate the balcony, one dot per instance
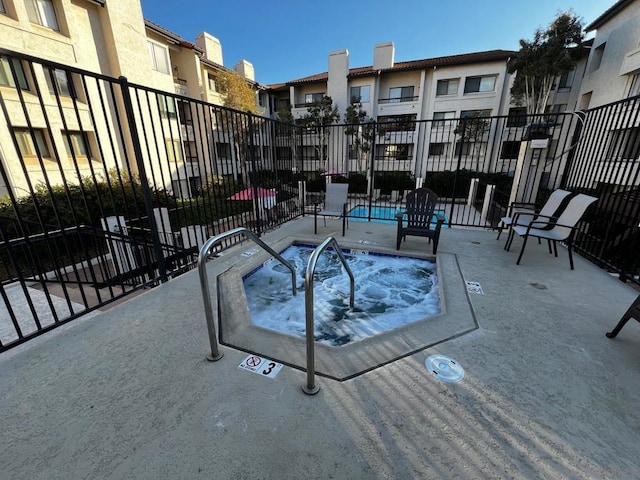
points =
(398, 106)
(181, 86)
(128, 393)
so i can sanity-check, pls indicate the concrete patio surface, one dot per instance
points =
(128, 393)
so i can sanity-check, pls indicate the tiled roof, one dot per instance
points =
(606, 16)
(448, 61)
(169, 35)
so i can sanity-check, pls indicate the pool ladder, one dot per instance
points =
(310, 388)
(203, 256)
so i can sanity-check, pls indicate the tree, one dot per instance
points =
(239, 96)
(320, 114)
(552, 52)
(237, 92)
(361, 129)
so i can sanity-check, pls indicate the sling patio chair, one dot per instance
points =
(335, 205)
(554, 230)
(525, 211)
(632, 312)
(419, 214)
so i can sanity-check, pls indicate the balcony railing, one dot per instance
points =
(397, 100)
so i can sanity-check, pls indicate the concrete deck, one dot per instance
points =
(129, 393)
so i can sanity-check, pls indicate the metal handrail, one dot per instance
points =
(311, 388)
(204, 280)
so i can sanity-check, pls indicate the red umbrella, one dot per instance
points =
(248, 193)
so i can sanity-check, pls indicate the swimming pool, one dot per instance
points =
(391, 292)
(360, 213)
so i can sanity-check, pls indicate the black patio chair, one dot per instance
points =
(632, 312)
(420, 217)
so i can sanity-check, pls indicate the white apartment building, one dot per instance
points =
(58, 136)
(613, 67)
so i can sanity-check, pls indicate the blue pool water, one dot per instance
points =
(390, 291)
(385, 214)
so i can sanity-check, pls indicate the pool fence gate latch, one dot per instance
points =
(444, 368)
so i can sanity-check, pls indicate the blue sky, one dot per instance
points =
(289, 39)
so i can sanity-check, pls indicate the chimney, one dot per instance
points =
(337, 82)
(211, 46)
(245, 69)
(383, 55)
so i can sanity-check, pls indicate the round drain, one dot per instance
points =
(445, 368)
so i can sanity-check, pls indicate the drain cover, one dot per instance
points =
(444, 368)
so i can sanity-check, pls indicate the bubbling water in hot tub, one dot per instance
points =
(391, 291)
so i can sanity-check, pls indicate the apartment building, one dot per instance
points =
(51, 131)
(397, 94)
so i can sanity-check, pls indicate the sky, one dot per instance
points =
(290, 39)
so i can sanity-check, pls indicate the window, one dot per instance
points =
(440, 117)
(466, 148)
(517, 117)
(283, 103)
(212, 83)
(596, 58)
(625, 144)
(396, 152)
(283, 153)
(6, 76)
(223, 150)
(448, 87)
(634, 88)
(62, 83)
(400, 94)
(566, 80)
(360, 94)
(174, 150)
(29, 149)
(510, 150)
(167, 106)
(437, 149)
(479, 84)
(313, 97)
(41, 12)
(77, 145)
(159, 57)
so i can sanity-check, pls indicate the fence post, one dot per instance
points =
(148, 202)
(473, 191)
(486, 204)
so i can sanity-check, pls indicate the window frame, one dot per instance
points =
(155, 47)
(69, 90)
(18, 66)
(310, 98)
(449, 82)
(77, 144)
(360, 98)
(39, 14)
(403, 96)
(480, 79)
(41, 148)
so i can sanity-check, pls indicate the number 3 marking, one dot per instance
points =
(268, 370)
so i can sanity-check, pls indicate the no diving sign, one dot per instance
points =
(261, 366)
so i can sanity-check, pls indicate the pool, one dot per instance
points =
(391, 291)
(360, 213)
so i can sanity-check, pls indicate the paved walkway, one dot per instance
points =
(129, 394)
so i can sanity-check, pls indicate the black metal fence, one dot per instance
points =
(113, 187)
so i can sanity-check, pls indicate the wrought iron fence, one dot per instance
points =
(112, 187)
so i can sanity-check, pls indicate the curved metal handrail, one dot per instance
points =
(311, 388)
(204, 280)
